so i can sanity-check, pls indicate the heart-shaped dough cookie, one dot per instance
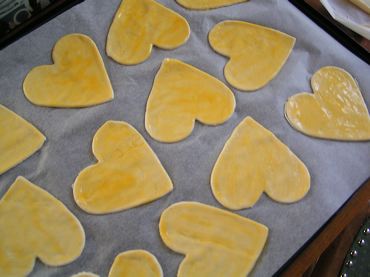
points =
(128, 172)
(34, 224)
(216, 243)
(76, 79)
(256, 53)
(135, 263)
(18, 139)
(181, 94)
(254, 161)
(207, 4)
(140, 24)
(336, 110)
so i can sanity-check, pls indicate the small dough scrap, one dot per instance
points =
(135, 263)
(362, 4)
(18, 139)
(207, 4)
(216, 243)
(77, 78)
(128, 172)
(34, 224)
(85, 274)
(182, 94)
(254, 161)
(335, 111)
(256, 53)
(140, 24)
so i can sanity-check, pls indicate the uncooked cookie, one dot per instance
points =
(18, 139)
(254, 161)
(336, 110)
(128, 172)
(76, 79)
(34, 224)
(182, 94)
(256, 53)
(140, 24)
(207, 4)
(135, 263)
(216, 243)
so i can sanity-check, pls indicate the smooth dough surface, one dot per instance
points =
(256, 53)
(140, 24)
(362, 4)
(18, 139)
(254, 161)
(207, 4)
(216, 243)
(182, 94)
(135, 263)
(336, 109)
(36, 224)
(128, 172)
(76, 79)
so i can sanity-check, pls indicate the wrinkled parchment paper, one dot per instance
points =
(337, 168)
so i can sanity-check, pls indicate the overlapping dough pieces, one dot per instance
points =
(215, 242)
(135, 263)
(128, 172)
(34, 224)
(336, 110)
(76, 79)
(140, 24)
(18, 139)
(207, 4)
(254, 161)
(182, 94)
(256, 53)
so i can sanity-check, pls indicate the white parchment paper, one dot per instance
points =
(337, 168)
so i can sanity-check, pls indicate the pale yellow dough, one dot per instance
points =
(18, 139)
(76, 79)
(216, 243)
(254, 161)
(362, 4)
(256, 53)
(85, 274)
(128, 172)
(336, 110)
(207, 4)
(135, 263)
(34, 224)
(182, 94)
(140, 24)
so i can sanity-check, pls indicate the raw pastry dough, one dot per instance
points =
(140, 24)
(181, 94)
(135, 263)
(256, 53)
(128, 172)
(76, 79)
(18, 139)
(36, 224)
(362, 4)
(216, 243)
(253, 161)
(336, 110)
(207, 4)
(85, 274)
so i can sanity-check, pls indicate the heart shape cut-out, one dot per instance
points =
(34, 224)
(336, 110)
(140, 24)
(182, 94)
(76, 79)
(254, 161)
(128, 172)
(215, 242)
(207, 4)
(256, 53)
(18, 139)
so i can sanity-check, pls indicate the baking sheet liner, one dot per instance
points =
(337, 168)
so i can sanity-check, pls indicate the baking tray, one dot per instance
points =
(337, 168)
